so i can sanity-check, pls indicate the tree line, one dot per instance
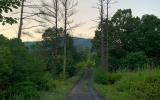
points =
(133, 41)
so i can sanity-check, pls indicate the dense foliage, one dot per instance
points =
(101, 77)
(128, 36)
(141, 85)
(51, 51)
(86, 58)
(21, 74)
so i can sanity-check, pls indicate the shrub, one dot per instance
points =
(88, 62)
(143, 85)
(21, 74)
(5, 67)
(147, 89)
(26, 89)
(21, 91)
(100, 76)
(134, 60)
(103, 77)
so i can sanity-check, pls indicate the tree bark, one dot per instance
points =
(107, 36)
(102, 34)
(65, 40)
(21, 20)
(56, 15)
(56, 22)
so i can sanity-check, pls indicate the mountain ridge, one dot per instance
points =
(77, 41)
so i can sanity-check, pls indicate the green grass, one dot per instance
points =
(110, 93)
(61, 91)
(141, 85)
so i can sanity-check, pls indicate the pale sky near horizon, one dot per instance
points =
(86, 14)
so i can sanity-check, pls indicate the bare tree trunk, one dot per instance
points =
(56, 15)
(102, 34)
(56, 23)
(107, 36)
(21, 20)
(65, 40)
(68, 6)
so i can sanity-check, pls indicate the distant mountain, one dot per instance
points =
(78, 43)
(30, 44)
(82, 42)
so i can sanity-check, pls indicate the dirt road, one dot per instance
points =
(84, 89)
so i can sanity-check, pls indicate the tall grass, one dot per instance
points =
(140, 85)
(19, 97)
(62, 89)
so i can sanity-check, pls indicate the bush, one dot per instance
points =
(143, 85)
(147, 89)
(45, 83)
(27, 90)
(21, 74)
(134, 60)
(5, 67)
(21, 91)
(102, 77)
(87, 62)
(55, 66)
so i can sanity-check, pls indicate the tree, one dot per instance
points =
(122, 31)
(47, 15)
(68, 11)
(150, 33)
(28, 15)
(6, 7)
(104, 31)
(52, 39)
(129, 34)
(126, 29)
(54, 62)
(103, 60)
(21, 76)
(107, 35)
(134, 60)
(49, 12)
(21, 19)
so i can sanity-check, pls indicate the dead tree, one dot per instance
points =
(43, 13)
(21, 20)
(103, 5)
(108, 4)
(101, 12)
(67, 11)
(56, 14)
(25, 16)
(107, 35)
(49, 12)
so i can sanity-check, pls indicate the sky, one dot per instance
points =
(87, 15)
